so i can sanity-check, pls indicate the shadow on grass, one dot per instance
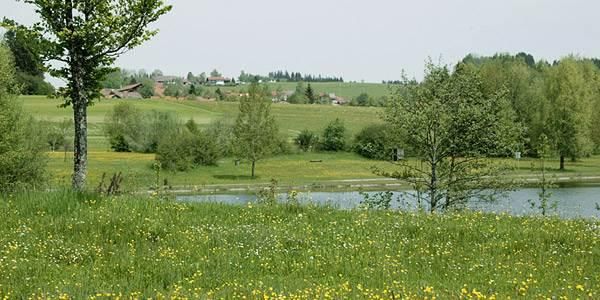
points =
(235, 177)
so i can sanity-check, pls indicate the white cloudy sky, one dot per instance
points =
(359, 40)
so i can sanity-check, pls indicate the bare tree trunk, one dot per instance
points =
(433, 187)
(562, 162)
(253, 166)
(79, 102)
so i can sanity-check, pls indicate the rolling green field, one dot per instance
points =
(59, 245)
(291, 119)
(344, 89)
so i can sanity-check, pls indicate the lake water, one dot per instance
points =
(571, 202)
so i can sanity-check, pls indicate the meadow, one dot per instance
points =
(65, 245)
(291, 119)
(347, 90)
(289, 170)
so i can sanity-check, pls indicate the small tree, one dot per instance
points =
(334, 136)
(255, 129)
(310, 94)
(454, 128)
(306, 140)
(86, 37)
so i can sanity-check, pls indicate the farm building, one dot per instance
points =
(219, 80)
(127, 92)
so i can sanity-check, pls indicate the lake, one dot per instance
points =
(571, 202)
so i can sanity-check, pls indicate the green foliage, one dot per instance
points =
(310, 94)
(376, 142)
(299, 96)
(176, 89)
(571, 90)
(22, 158)
(28, 63)
(186, 150)
(255, 129)
(334, 136)
(306, 140)
(80, 40)
(453, 126)
(379, 200)
(131, 130)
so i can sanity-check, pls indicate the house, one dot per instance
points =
(281, 96)
(127, 92)
(336, 100)
(219, 80)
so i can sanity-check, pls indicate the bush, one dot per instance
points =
(22, 158)
(189, 148)
(375, 142)
(128, 129)
(282, 146)
(306, 140)
(334, 136)
(221, 133)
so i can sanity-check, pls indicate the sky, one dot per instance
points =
(367, 41)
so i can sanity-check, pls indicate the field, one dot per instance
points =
(64, 245)
(346, 90)
(291, 119)
(293, 169)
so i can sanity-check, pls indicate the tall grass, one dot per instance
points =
(82, 245)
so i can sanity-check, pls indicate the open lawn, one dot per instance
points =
(288, 170)
(67, 246)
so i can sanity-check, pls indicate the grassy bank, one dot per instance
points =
(60, 244)
(293, 169)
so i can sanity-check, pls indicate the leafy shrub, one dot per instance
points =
(306, 140)
(334, 136)
(375, 142)
(22, 158)
(281, 146)
(189, 148)
(129, 129)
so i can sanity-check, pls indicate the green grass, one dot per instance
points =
(64, 245)
(291, 119)
(287, 169)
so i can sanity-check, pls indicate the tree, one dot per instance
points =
(190, 77)
(29, 67)
(22, 158)
(215, 73)
(306, 140)
(310, 94)
(86, 37)
(255, 129)
(362, 99)
(454, 128)
(569, 88)
(334, 136)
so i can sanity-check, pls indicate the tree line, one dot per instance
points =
(296, 76)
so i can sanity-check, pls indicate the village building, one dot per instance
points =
(219, 80)
(127, 92)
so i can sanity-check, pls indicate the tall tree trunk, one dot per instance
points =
(562, 162)
(79, 102)
(253, 166)
(433, 187)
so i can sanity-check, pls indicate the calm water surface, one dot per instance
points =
(571, 202)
